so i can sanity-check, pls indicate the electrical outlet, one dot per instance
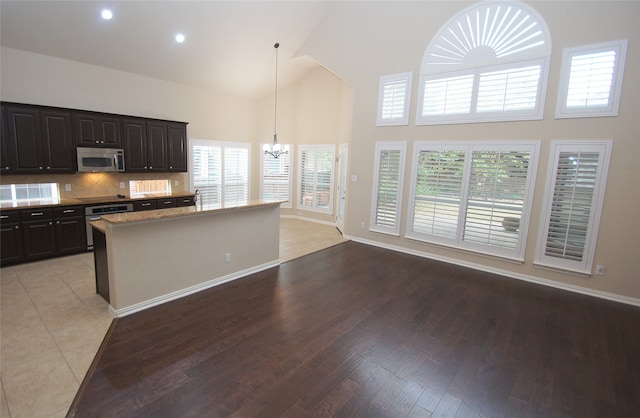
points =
(122, 184)
(362, 225)
(600, 270)
(176, 182)
(227, 258)
(67, 187)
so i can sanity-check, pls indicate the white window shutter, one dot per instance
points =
(236, 175)
(496, 198)
(387, 188)
(437, 192)
(276, 177)
(511, 89)
(207, 173)
(447, 96)
(591, 80)
(573, 201)
(393, 99)
(315, 182)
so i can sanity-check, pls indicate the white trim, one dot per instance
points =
(400, 146)
(584, 267)
(620, 47)
(122, 312)
(506, 273)
(384, 81)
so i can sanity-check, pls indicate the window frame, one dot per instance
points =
(585, 266)
(615, 91)
(458, 242)
(473, 116)
(290, 148)
(407, 77)
(373, 225)
(222, 145)
(315, 207)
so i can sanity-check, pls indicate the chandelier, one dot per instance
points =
(274, 149)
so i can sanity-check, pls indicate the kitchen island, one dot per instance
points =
(152, 257)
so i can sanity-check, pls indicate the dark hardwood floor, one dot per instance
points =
(356, 330)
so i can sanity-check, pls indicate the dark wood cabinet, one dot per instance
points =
(11, 238)
(58, 141)
(144, 205)
(135, 144)
(185, 201)
(177, 146)
(71, 231)
(152, 145)
(38, 140)
(157, 146)
(166, 203)
(38, 234)
(6, 162)
(97, 130)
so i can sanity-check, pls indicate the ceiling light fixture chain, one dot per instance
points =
(274, 150)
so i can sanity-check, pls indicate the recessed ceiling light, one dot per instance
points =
(180, 38)
(106, 14)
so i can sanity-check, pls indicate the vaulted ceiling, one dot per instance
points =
(228, 46)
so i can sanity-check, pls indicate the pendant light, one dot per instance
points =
(274, 149)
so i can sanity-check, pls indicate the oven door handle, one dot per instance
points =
(93, 218)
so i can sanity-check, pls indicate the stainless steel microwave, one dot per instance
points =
(100, 159)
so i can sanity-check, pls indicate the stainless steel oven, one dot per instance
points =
(93, 213)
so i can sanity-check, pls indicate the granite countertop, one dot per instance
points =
(152, 215)
(86, 201)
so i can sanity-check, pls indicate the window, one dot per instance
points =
(572, 206)
(473, 196)
(12, 194)
(591, 80)
(139, 188)
(387, 187)
(393, 99)
(489, 63)
(315, 182)
(275, 183)
(220, 172)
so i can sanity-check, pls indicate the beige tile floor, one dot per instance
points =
(52, 323)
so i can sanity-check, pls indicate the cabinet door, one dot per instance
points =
(25, 137)
(97, 130)
(71, 235)
(177, 146)
(58, 141)
(11, 248)
(110, 132)
(157, 146)
(135, 145)
(39, 239)
(6, 162)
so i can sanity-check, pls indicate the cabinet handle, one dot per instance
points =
(146, 204)
(17, 226)
(4, 216)
(37, 214)
(57, 222)
(69, 211)
(40, 168)
(50, 223)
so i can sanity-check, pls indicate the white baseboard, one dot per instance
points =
(302, 218)
(525, 277)
(119, 313)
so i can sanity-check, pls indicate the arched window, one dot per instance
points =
(488, 63)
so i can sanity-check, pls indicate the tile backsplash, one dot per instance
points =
(97, 184)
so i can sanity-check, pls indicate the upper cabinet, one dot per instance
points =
(37, 140)
(97, 130)
(40, 139)
(177, 146)
(153, 145)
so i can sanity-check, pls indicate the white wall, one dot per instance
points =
(391, 37)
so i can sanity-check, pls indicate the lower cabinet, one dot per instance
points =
(35, 234)
(11, 246)
(71, 231)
